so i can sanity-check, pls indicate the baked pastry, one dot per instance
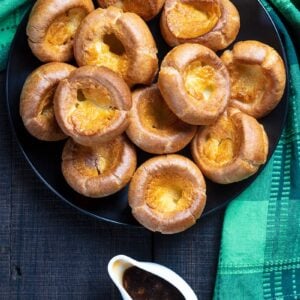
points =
(100, 170)
(147, 9)
(92, 105)
(212, 23)
(119, 41)
(232, 149)
(152, 125)
(257, 76)
(52, 25)
(167, 193)
(195, 84)
(36, 101)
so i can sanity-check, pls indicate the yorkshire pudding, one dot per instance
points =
(232, 149)
(100, 170)
(195, 84)
(167, 193)
(212, 23)
(52, 25)
(152, 125)
(257, 76)
(119, 41)
(92, 105)
(36, 102)
(147, 9)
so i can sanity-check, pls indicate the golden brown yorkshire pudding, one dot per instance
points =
(257, 76)
(36, 102)
(232, 149)
(152, 125)
(212, 23)
(92, 105)
(119, 41)
(52, 25)
(100, 170)
(147, 9)
(195, 84)
(167, 194)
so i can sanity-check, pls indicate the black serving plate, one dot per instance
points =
(45, 158)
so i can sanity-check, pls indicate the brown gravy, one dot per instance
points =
(142, 285)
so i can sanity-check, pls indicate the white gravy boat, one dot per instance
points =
(120, 263)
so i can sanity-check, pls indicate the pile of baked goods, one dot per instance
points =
(107, 103)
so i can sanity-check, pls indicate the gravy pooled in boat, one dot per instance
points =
(142, 285)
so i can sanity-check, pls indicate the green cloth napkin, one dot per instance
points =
(11, 13)
(260, 248)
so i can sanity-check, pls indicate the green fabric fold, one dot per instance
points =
(290, 11)
(260, 248)
(11, 13)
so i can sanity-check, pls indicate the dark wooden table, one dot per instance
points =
(50, 251)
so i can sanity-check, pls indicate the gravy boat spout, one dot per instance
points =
(120, 263)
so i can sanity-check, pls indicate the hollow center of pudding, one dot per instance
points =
(96, 161)
(45, 108)
(94, 110)
(168, 192)
(200, 80)
(108, 52)
(248, 82)
(155, 114)
(63, 28)
(115, 45)
(45, 111)
(190, 20)
(222, 143)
